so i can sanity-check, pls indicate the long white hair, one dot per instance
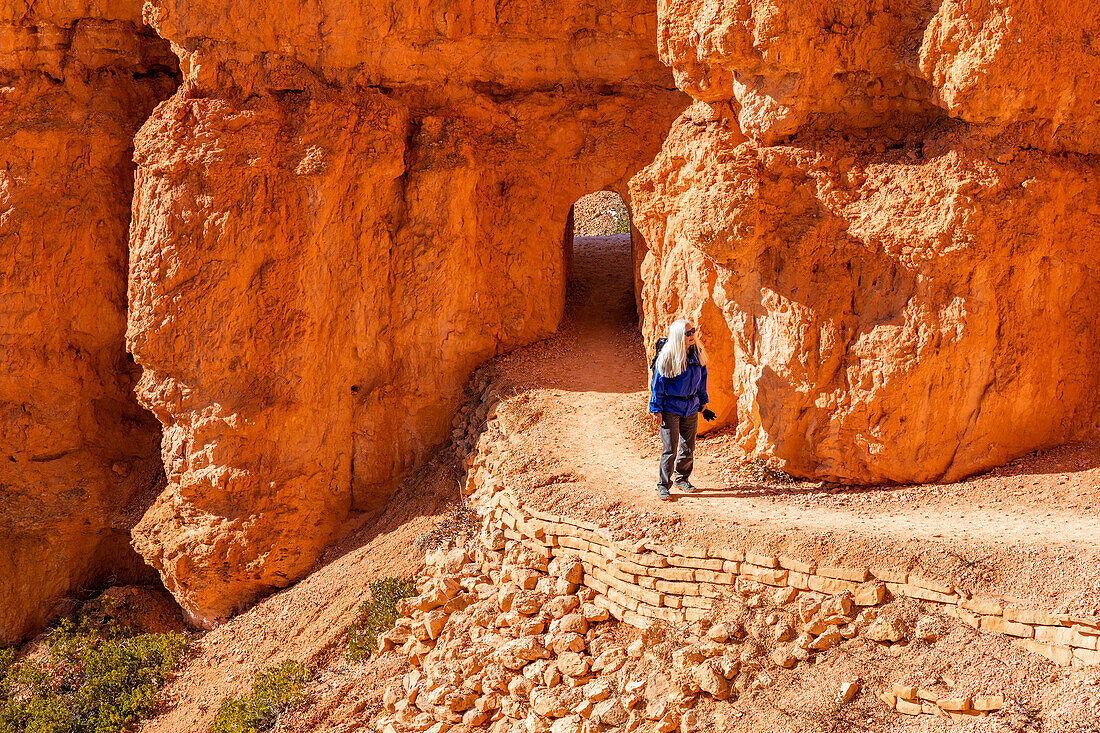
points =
(672, 360)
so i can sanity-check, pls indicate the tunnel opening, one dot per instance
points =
(601, 262)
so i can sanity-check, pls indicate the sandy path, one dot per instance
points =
(594, 373)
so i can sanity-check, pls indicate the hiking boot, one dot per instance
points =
(686, 487)
(662, 493)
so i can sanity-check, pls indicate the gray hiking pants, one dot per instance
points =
(678, 441)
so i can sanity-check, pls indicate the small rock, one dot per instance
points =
(784, 596)
(710, 680)
(573, 664)
(783, 657)
(609, 712)
(847, 691)
(886, 628)
(723, 632)
(573, 623)
(598, 689)
(593, 613)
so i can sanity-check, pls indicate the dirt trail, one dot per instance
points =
(592, 450)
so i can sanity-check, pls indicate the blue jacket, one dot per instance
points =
(683, 395)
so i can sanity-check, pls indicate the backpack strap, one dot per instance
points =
(657, 352)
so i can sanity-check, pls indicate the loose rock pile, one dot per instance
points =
(504, 638)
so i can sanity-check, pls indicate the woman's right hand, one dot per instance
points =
(656, 418)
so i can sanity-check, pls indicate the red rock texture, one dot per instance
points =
(1020, 67)
(884, 218)
(343, 211)
(76, 450)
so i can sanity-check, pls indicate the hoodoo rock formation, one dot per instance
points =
(885, 218)
(344, 210)
(76, 450)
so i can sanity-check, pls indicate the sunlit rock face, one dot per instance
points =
(884, 217)
(78, 455)
(344, 210)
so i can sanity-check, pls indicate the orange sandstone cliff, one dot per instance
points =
(885, 218)
(344, 210)
(883, 215)
(76, 450)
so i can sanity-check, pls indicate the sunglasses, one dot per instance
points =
(689, 331)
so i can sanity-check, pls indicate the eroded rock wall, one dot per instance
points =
(885, 218)
(76, 450)
(344, 210)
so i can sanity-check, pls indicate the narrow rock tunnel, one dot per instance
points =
(599, 230)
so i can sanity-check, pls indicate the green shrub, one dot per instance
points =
(623, 224)
(274, 691)
(377, 614)
(90, 680)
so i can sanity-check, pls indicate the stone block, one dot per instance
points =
(831, 586)
(888, 697)
(908, 707)
(734, 568)
(616, 572)
(643, 595)
(826, 641)
(765, 575)
(847, 692)
(685, 551)
(764, 561)
(709, 576)
(629, 566)
(1084, 657)
(1060, 655)
(630, 604)
(930, 584)
(696, 602)
(695, 562)
(1034, 616)
(650, 560)
(683, 575)
(726, 553)
(869, 595)
(855, 575)
(595, 584)
(988, 703)
(797, 566)
(572, 543)
(800, 581)
(887, 575)
(984, 605)
(1064, 635)
(1002, 626)
(696, 614)
(954, 704)
(677, 587)
(925, 594)
(904, 692)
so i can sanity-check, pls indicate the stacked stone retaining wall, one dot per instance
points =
(642, 581)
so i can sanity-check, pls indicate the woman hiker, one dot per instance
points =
(677, 394)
